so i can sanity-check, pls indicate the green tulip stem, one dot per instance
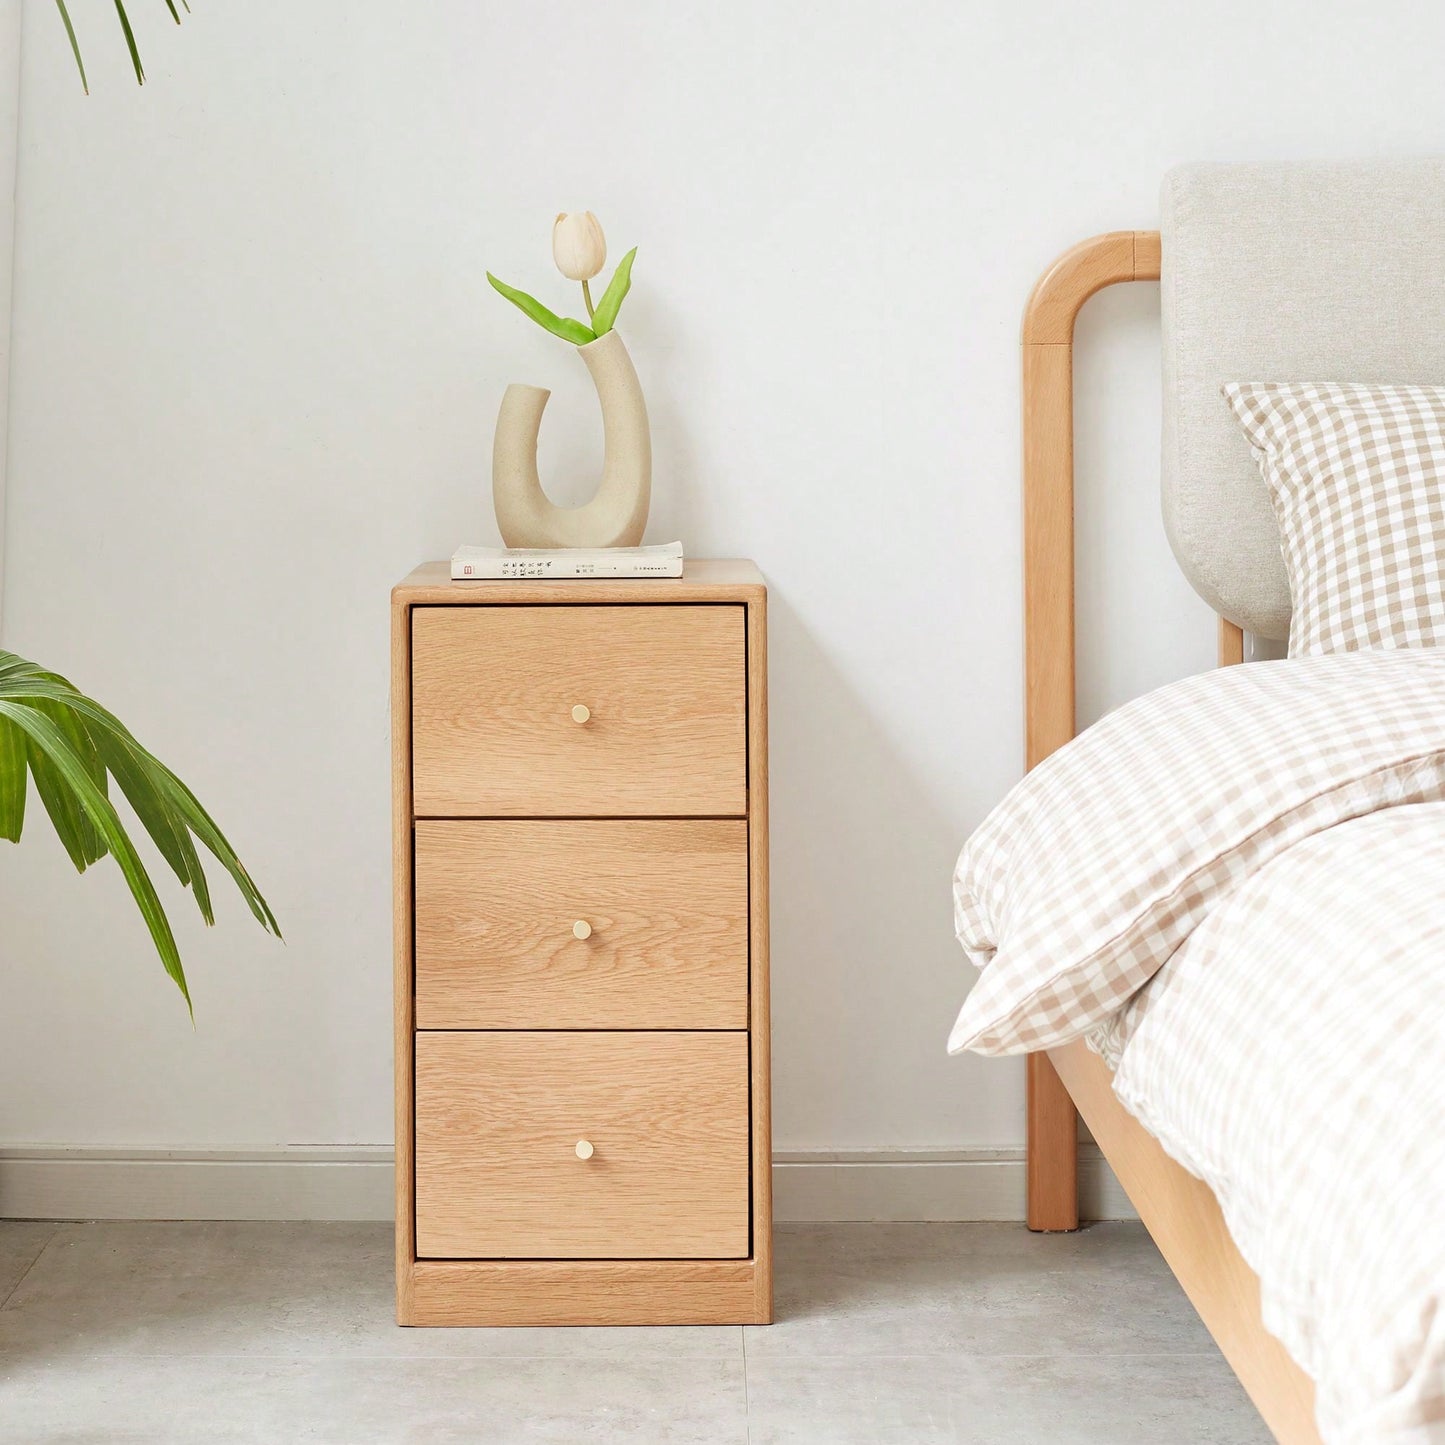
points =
(587, 297)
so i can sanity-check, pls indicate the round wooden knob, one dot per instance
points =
(584, 1149)
(581, 713)
(582, 929)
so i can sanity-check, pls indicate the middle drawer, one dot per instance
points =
(595, 924)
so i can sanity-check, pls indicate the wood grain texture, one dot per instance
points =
(1049, 684)
(1049, 681)
(1080, 272)
(586, 1292)
(493, 690)
(1048, 471)
(1148, 255)
(401, 922)
(760, 989)
(1231, 644)
(498, 1118)
(706, 579)
(1183, 1216)
(1048, 486)
(666, 903)
(1051, 1149)
(644, 1289)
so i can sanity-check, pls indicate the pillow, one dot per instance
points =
(1080, 884)
(1357, 477)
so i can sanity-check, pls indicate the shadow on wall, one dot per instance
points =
(866, 974)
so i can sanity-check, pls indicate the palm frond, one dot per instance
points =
(74, 44)
(126, 30)
(140, 75)
(71, 746)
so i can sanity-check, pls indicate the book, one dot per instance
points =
(562, 564)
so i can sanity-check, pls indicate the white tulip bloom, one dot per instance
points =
(578, 245)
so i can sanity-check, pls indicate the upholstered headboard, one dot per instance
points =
(1332, 271)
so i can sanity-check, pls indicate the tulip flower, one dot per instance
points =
(578, 245)
(580, 251)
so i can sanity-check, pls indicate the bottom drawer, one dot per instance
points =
(501, 1119)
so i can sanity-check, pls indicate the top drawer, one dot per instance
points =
(579, 711)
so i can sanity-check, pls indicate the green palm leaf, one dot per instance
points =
(125, 26)
(52, 741)
(140, 75)
(195, 817)
(74, 44)
(12, 780)
(166, 830)
(70, 746)
(169, 810)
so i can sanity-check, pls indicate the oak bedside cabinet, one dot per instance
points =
(581, 902)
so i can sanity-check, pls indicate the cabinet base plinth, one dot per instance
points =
(584, 1292)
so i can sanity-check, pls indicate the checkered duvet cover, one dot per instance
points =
(1292, 1055)
(1266, 843)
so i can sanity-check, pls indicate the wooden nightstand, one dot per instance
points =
(581, 904)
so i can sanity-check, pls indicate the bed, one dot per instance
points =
(1323, 271)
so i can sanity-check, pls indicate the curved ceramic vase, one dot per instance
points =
(616, 516)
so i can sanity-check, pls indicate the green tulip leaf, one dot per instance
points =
(577, 332)
(613, 297)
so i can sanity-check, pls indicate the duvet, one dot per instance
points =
(1271, 837)
(1292, 1055)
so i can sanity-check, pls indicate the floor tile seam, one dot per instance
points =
(407, 1357)
(10, 1293)
(790, 1356)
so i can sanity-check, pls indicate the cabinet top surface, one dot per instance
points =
(704, 579)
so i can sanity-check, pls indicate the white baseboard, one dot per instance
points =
(51, 1182)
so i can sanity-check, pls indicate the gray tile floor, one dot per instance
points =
(890, 1334)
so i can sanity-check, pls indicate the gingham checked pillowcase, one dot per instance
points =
(1076, 889)
(1357, 477)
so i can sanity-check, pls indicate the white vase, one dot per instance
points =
(617, 514)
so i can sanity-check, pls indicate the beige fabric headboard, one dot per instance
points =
(1330, 271)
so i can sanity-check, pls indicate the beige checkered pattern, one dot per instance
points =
(1079, 885)
(1292, 1054)
(1357, 477)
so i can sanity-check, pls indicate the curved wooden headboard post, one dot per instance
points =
(1048, 424)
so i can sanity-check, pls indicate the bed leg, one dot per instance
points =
(1053, 1149)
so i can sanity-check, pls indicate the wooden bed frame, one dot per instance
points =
(1180, 1212)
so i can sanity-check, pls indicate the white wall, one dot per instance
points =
(9, 128)
(256, 368)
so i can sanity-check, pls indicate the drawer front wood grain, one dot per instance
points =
(580, 711)
(594, 924)
(501, 1119)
